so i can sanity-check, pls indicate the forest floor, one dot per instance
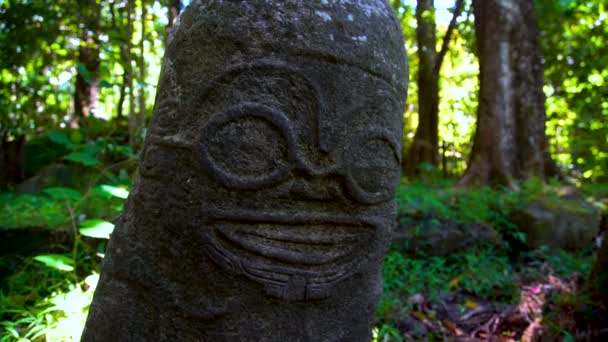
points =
(547, 308)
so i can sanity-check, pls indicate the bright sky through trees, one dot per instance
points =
(441, 9)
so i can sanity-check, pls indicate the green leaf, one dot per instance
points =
(91, 149)
(76, 136)
(59, 137)
(60, 193)
(56, 261)
(85, 73)
(105, 84)
(114, 191)
(99, 229)
(82, 158)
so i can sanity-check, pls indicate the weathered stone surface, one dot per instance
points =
(264, 200)
(439, 237)
(569, 223)
(49, 176)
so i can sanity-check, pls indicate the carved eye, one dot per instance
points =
(247, 147)
(373, 168)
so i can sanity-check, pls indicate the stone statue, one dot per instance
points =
(264, 200)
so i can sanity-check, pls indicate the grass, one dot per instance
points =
(52, 211)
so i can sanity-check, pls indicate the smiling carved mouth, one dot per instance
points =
(307, 245)
(296, 255)
(298, 242)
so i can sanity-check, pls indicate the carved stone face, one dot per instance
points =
(264, 199)
(296, 187)
(291, 162)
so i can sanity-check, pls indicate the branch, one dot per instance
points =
(458, 7)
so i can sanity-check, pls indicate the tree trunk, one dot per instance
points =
(141, 116)
(173, 9)
(12, 160)
(129, 71)
(87, 79)
(123, 62)
(425, 147)
(510, 138)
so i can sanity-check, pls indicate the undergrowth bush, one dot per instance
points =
(46, 297)
(483, 273)
(487, 205)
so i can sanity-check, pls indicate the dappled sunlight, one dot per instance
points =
(502, 202)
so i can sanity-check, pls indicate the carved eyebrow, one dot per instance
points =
(273, 64)
(333, 59)
(276, 65)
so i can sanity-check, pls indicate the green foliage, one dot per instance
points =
(443, 201)
(59, 137)
(575, 52)
(84, 154)
(564, 263)
(54, 209)
(23, 210)
(404, 277)
(61, 193)
(482, 204)
(56, 308)
(85, 159)
(484, 273)
(115, 191)
(100, 229)
(33, 40)
(39, 302)
(56, 261)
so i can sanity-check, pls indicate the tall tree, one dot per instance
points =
(141, 115)
(173, 9)
(123, 35)
(129, 70)
(12, 160)
(425, 147)
(510, 141)
(87, 79)
(33, 40)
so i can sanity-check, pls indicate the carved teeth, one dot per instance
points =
(328, 234)
(313, 249)
(310, 245)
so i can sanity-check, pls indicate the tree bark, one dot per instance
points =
(141, 116)
(123, 61)
(129, 70)
(425, 147)
(173, 9)
(510, 141)
(12, 160)
(87, 79)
